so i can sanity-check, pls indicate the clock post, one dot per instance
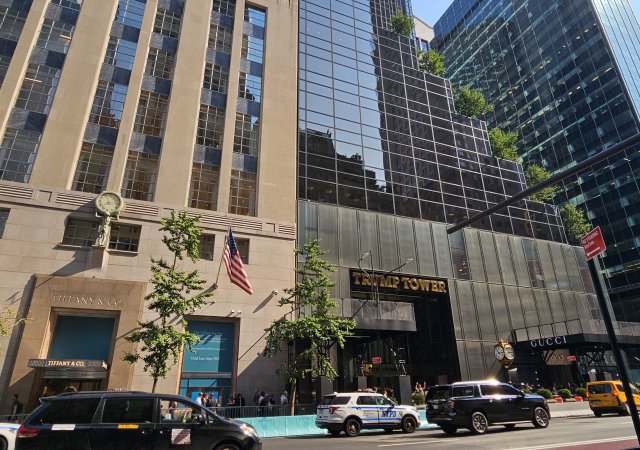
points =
(505, 354)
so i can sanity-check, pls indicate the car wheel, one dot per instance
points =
(227, 447)
(510, 426)
(408, 424)
(598, 413)
(4, 445)
(450, 430)
(479, 423)
(624, 409)
(335, 433)
(540, 417)
(352, 427)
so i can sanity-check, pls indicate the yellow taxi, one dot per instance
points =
(609, 397)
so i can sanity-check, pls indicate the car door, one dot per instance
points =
(519, 407)
(125, 422)
(387, 413)
(369, 408)
(182, 425)
(499, 407)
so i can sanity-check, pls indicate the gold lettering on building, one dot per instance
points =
(82, 300)
(416, 284)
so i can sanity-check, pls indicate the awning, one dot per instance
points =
(83, 369)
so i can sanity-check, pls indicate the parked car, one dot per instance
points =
(8, 435)
(609, 397)
(130, 420)
(476, 405)
(352, 412)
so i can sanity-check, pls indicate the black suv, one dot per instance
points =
(478, 404)
(130, 420)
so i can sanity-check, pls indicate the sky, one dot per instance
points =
(431, 10)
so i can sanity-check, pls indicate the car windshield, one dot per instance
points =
(599, 388)
(438, 393)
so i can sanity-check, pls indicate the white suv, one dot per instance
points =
(351, 412)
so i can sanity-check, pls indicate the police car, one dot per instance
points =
(351, 412)
(8, 435)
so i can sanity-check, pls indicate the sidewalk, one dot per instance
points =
(570, 409)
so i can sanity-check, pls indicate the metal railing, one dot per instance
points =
(234, 412)
(13, 418)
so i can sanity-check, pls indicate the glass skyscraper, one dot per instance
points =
(564, 75)
(385, 164)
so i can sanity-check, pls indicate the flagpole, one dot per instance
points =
(215, 284)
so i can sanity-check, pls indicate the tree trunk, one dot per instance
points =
(155, 382)
(293, 398)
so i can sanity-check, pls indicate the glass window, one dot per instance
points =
(533, 263)
(140, 176)
(173, 411)
(226, 7)
(205, 247)
(130, 12)
(151, 114)
(243, 249)
(11, 23)
(120, 53)
(242, 195)
(252, 48)
(247, 134)
(220, 38)
(68, 411)
(334, 400)
(160, 63)
(498, 389)
(250, 87)
(55, 35)
(17, 154)
(210, 126)
(366, 400)
(126, 410)
(93, 167)
(216, 78)
(79, 232)
(124, 237)
(462, 391)
(108, 104)
(205, 181)
(4, 216)
(167, 23)
(38, 88)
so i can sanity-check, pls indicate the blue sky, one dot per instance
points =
(431, 10)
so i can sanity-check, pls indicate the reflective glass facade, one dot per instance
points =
(563, 73)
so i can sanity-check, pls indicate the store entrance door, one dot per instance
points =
(55, 386)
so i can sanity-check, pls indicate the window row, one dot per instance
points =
(126, 237)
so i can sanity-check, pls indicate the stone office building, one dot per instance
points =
(385, 164)
(177, 105)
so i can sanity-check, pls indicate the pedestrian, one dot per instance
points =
(262, 403)
(284, 398)
(200, 399)
(240, 400)
(210, 401)
(256, 397)
(232, 401)
(270, 404)
(16, 408)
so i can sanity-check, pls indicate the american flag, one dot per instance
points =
(234, 265)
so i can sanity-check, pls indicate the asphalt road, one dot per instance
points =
(584, 433)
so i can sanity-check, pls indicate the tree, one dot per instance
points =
(470, 103)
(535, 174)
(503, 144)
(164, 338)
(402, 24)
(431, 62)
(309, 326)
(575, 222)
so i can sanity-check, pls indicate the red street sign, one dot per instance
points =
(376, 360)
(593, 243)
(571, 358)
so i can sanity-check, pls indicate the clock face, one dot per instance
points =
(509, 352)
(499, 352)
(109, 203)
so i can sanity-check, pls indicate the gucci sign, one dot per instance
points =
(548, 342)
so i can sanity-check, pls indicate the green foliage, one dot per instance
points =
(535, 174)
(565, 393)
(470, 103)
(431, 62)
(309, 320)
(402, 24)
(575, 222)
(581, 392)
(526, 391)
(164, 338)
(546, 393)
(503, 144)
(417, 398)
